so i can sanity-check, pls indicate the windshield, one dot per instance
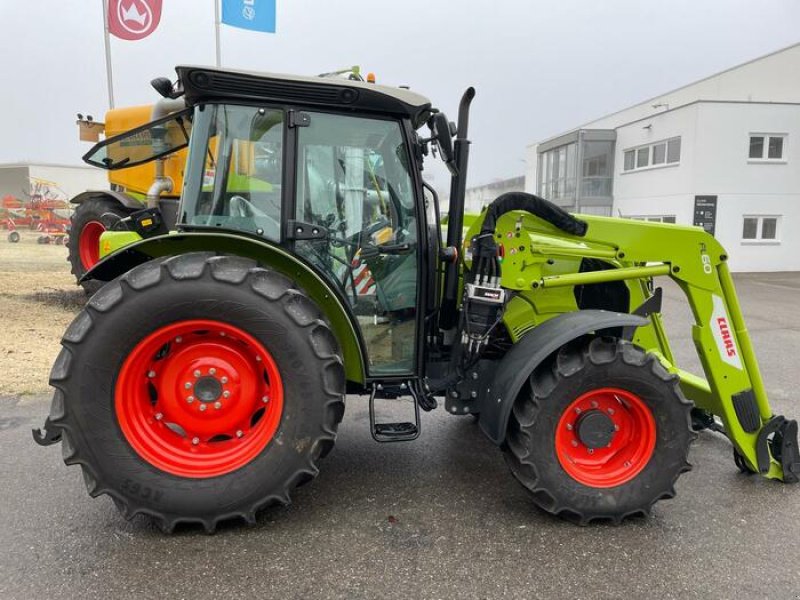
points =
(240, 156)
(142, 144)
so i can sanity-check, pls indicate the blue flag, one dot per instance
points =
(256, 15)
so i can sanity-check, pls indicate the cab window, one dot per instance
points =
(241, 158)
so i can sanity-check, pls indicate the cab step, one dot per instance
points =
(402, 431)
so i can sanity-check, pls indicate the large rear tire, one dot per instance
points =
(602, 432)
(89, 220)
(198, 389)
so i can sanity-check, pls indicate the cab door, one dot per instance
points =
(353, 179)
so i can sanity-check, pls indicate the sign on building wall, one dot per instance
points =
(705, 212)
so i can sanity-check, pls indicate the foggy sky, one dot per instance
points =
(539, 67)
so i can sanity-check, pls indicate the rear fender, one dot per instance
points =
(535, 346)
(126, 200)
(265, 253)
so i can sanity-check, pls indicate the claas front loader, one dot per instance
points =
(206, 379)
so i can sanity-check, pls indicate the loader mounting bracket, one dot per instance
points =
(47, 435)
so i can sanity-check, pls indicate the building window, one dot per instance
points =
(558, 173)
(767, 146)
(760, 228)
(630, 160)
(642, 157)
(658, 154)
(654, 218)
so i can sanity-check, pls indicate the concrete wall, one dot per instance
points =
(13, 181)
(714, 161)
(72, 180)
(477, 197)
(654, 190)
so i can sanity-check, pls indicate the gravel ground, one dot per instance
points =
(38, 299)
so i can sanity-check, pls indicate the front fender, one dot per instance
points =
(330, 301)
(535, 346)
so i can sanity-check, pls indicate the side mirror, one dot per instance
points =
(443, 137)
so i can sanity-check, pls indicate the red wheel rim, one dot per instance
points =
(630, 445)
(199, 398)
(89, 243)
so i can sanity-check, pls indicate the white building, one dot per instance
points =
(722, 153)
(65, 181)
(475, 198)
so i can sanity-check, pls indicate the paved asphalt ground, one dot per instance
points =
(437, 518)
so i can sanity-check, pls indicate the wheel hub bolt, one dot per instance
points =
(627, 464)
(212, 371)
(151, 374)
(611, 411)
(195, 441)
(178, 339)
(190, 399)
(577, 411)
(203, 407)
(187, 385)
(591, 450)
(594, 403)
(217, 405)
(616, 427)
(159, 416)
(258, 359)
(224, 379)
(197, 373)
(569, 426)
(575, 443)
(239, 433)
(226, 394)
(264, 399)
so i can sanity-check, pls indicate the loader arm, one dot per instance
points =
(733, 388)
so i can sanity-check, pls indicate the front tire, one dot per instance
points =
(601, 432)
(198, 389)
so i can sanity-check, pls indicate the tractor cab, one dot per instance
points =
(329, 169)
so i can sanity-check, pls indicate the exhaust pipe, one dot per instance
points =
(162, 184)
(455, 223)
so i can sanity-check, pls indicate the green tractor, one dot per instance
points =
(207, 378)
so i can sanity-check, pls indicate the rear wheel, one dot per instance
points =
(215, 388)
(601, 433)
(13, 237)
(90, 219)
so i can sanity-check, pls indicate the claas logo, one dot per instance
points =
(727, 338)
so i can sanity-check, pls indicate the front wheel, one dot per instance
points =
(198, 389)
(601, 432)
(13, 237)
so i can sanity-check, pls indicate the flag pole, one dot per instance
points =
(216, 31)
(109, 75)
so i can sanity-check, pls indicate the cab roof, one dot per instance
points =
(209, 84)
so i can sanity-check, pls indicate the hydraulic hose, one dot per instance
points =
(539, 207)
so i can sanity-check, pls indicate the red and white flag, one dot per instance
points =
(133, 19)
